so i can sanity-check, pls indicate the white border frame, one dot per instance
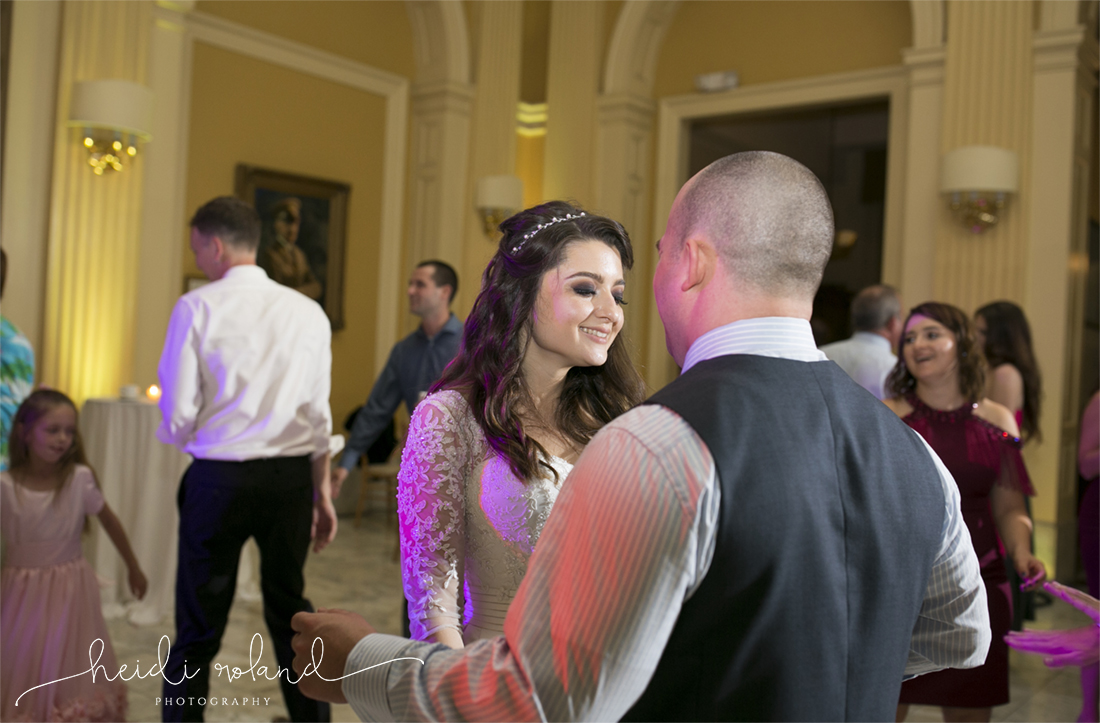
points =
(675, 113)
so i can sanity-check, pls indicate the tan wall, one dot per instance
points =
(248, 111)
(771, 41)
(376, 33)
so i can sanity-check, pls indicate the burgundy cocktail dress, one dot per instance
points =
(978, 455)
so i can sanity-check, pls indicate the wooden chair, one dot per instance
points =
(380, 481)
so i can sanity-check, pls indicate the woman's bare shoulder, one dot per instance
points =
(998, 415)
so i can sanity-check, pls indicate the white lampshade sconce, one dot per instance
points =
(114, 117)
(978, 181)
(498, 197)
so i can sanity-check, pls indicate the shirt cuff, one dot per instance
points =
(369, 666)
(349, 458)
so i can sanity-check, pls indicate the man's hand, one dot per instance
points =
(328, 636)
(324, 522)
(339, 475)
(323, 528)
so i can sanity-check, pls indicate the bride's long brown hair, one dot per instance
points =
(488, 368)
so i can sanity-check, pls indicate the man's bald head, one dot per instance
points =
(768, 217)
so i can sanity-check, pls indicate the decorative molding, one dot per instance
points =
(928, 23)
(440, 41)
(394, 88)
(636, 45)
(1057, 50)
(290, 54)
(438, 160)
(925, 65)
(1059, 14)
(875, 83)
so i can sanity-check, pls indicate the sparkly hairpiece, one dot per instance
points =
(541, 226)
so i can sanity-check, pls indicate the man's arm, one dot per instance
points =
(630, 537)
(179, 376)
(952, 629)
(383, 401)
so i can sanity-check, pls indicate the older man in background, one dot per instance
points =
(868, 355)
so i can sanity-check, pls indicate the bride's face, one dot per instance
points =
(578, 312)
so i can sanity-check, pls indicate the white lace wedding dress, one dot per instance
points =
(468, 524)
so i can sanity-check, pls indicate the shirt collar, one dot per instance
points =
(453, 326)
(244, 271)
(782, 337)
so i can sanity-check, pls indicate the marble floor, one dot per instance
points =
(359, 572)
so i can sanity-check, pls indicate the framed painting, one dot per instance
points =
(303, 230)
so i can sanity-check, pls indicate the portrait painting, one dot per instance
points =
(303, 227)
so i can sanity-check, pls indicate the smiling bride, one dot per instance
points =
(541, 369)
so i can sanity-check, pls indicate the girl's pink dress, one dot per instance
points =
(50, 608)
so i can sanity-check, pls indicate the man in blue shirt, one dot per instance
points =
(415, 363)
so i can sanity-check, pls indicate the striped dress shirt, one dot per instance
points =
(630, 539)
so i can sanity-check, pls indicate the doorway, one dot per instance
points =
(846, 147)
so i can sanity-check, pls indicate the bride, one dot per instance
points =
(540, 370)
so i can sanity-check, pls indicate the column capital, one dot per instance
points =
(629, 108)
(443, 96)
(925, 64)
(1063, 49)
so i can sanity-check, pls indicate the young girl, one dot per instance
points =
(49, 599)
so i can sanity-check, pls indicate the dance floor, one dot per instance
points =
(357, 572)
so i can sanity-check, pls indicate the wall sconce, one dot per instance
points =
(498, 197)
(979, 180)
(114, 117)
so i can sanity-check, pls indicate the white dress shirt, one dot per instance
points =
(866, 358)
(246, 371)
(631, 538)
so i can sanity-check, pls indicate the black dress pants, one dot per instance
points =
(221, 505)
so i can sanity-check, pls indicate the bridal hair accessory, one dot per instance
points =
(541, 226)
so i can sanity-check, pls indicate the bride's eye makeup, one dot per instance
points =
(587, 290)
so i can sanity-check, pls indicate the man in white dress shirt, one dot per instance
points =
(867, 356)
(762, 541)
(245, 375)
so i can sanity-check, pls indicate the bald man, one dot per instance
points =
(761, 541)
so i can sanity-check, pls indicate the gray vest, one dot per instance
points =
(831, 516)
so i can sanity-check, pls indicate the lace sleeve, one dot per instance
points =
(430, 488)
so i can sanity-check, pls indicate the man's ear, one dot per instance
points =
(701, 259)
(220, 249)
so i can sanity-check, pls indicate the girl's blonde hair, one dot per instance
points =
(33, 408)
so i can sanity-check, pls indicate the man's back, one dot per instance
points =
(865, 357)
(252, 370)
(831, 517)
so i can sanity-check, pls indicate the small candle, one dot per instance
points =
(152, 393)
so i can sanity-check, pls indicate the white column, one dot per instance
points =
(922, 167)
(439, 162)
(163, 218)
(576, 51)
(95, 221)
(1065, 62)
(32, 96)
(493, 141)
(624, 140)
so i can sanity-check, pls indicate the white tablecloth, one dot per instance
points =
(139, 477)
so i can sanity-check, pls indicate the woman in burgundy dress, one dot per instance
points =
(938, 385)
